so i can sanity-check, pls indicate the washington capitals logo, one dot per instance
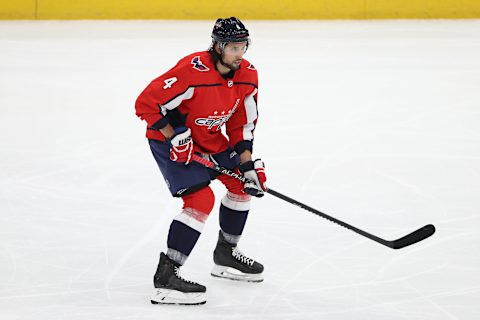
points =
(198, 65)
(217, 120)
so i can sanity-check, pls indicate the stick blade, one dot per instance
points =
(414, 237)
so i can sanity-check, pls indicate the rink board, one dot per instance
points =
(248, 9)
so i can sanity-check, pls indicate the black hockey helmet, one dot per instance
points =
(230, 30)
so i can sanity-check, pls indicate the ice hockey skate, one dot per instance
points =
(171, 288)
(231, 263)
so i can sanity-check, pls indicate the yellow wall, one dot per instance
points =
(245, 9)
(20, 9)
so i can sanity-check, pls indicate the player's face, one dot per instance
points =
(233, 54)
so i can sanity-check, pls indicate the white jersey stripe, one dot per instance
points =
(177, 101)
(252, 114)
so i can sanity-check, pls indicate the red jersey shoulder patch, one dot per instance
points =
(198, 64)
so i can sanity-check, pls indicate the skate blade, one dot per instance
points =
(234, 274)
(167, 296)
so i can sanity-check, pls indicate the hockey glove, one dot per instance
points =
(181, 145)
(255, 172)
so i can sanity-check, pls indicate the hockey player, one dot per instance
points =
(185, 109)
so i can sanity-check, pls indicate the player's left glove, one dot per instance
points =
(255, 172)
(181, 148)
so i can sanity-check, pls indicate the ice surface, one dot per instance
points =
(376, 123)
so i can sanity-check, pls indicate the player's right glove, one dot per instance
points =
(181, 145)
(255, 172)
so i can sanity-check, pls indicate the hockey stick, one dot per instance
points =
(409, 239)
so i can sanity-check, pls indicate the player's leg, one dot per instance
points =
(191, 184)
(184, 232)
(229, 261)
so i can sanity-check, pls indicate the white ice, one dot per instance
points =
(374, 122)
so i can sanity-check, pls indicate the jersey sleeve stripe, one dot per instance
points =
(172, 104)
(191, 87)
(252, 114)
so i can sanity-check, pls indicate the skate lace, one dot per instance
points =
(237, 254)
(177, 274)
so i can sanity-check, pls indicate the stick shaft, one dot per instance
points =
(416, 236)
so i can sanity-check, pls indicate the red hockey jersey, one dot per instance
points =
(195, 92)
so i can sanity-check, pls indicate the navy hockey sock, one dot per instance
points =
(184, 232)
(233, 216)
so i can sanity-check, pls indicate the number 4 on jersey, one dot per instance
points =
(169, 82)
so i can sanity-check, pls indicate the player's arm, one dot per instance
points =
(240, 130)
(241, 126)
(155, 105)
(162, 95)
(168, 131)
(245, 156)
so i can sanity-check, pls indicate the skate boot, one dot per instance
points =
(171, 288)
(232, 264)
